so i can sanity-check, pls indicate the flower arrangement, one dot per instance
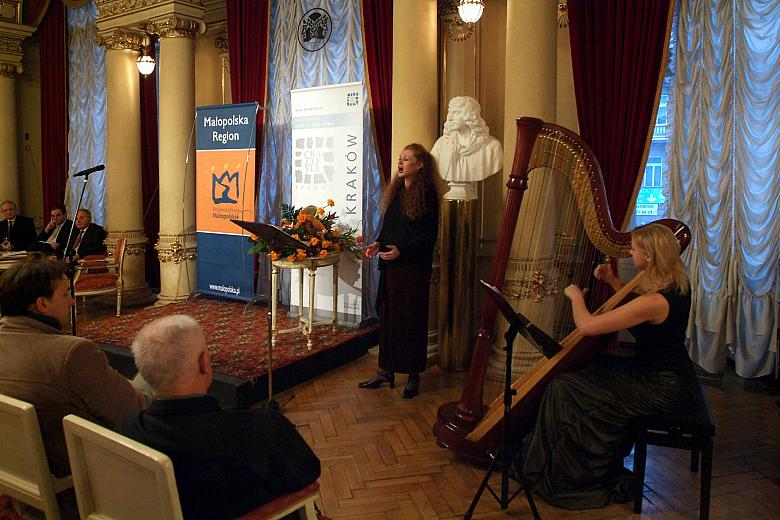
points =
(314, 226)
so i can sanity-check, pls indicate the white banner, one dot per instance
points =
(327, 163)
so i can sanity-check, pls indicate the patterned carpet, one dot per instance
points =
(236, 334)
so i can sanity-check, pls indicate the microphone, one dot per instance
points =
(84, 173)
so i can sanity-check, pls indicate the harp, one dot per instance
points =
(468, 426)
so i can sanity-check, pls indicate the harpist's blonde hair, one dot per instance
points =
(664, 268)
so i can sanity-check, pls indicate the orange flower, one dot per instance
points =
(301, 218)
(314, 241)
(275, 256)
(253, 237)
(320, 211)
(359, 239)
(291, 258)
(326, 244)
(331, 203)
(300, 254)
(323, 253)
(296, 236)
(336, 231)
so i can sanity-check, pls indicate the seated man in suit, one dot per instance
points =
(57, 373)
(88, 238)
(53, 238)
(227, 462)
(17, 232)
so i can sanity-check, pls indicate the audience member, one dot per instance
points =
(59, 374)
(87, 238)
(227, 462)
(53, 237)
(17, 232)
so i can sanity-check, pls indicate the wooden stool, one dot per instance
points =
(692, 431)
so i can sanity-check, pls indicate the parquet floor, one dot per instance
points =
(380, 460)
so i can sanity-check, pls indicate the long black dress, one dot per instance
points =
(573, 457)
(404, 285)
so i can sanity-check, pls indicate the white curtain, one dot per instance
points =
(724, 173)
(292, 67)
(87, 112)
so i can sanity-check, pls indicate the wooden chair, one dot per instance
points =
(97, 275)
(117, 478)
(691, 431)
(24, 469)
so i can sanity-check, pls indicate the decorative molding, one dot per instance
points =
(136, 241)
(11, 11)
(108, 8)
(9, 70)
(176, 26)
(121, 39)
(170, 248)
(457, 29)
(11, 43)
(222, 45)
(531, 279)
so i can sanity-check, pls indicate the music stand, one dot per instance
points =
(518, 324)
(271, 234)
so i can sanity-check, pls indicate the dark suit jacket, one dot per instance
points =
(92, 241)
(62, 238)
(22, 233)
(227, 462)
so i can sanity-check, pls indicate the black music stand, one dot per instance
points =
(271, 234)
(548, 347)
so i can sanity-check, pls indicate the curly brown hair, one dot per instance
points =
(423, 197)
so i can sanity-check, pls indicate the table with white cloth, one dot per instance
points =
(305, 323)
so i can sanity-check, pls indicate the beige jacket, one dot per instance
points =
(61, 374)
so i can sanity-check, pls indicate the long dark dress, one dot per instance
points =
(404, 286)
(574, 455)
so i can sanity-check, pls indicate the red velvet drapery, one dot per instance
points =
(150, 178)
(54, 105)
(248, 51)
(378, 38)
(618, 49)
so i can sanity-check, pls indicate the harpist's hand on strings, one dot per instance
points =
(604, 273)
(391, 254)
(572, 291)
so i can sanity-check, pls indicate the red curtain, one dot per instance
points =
(618, 48)
(248, 51)
(33, 11)
(378, 38)
(150, 178)
(54, 105)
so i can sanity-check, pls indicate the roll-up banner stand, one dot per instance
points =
(225, 189)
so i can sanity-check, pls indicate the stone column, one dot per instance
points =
(531, 26)
(416, 106)
(176, 246)
(123, 154)
(11, 36)
(223, 51)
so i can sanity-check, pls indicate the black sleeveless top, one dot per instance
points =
(661, 348)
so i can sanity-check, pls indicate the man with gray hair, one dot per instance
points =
(227, 462)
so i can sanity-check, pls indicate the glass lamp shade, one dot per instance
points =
(145, 64)
(470, 10)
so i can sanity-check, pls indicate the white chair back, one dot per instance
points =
(24, 469)
(117, 478)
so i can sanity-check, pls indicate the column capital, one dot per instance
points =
(121, 38)
(136, 241)
(9, 70)
(176, 26)
(111, 8)
(11, 37)
(173, 248)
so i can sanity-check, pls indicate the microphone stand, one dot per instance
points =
(68, 254)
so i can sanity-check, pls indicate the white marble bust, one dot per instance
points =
(466, 152)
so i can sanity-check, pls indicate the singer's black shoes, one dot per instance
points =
(379, 379)
(412, 386)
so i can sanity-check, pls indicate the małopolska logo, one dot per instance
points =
(224, 189)
(314, 29)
